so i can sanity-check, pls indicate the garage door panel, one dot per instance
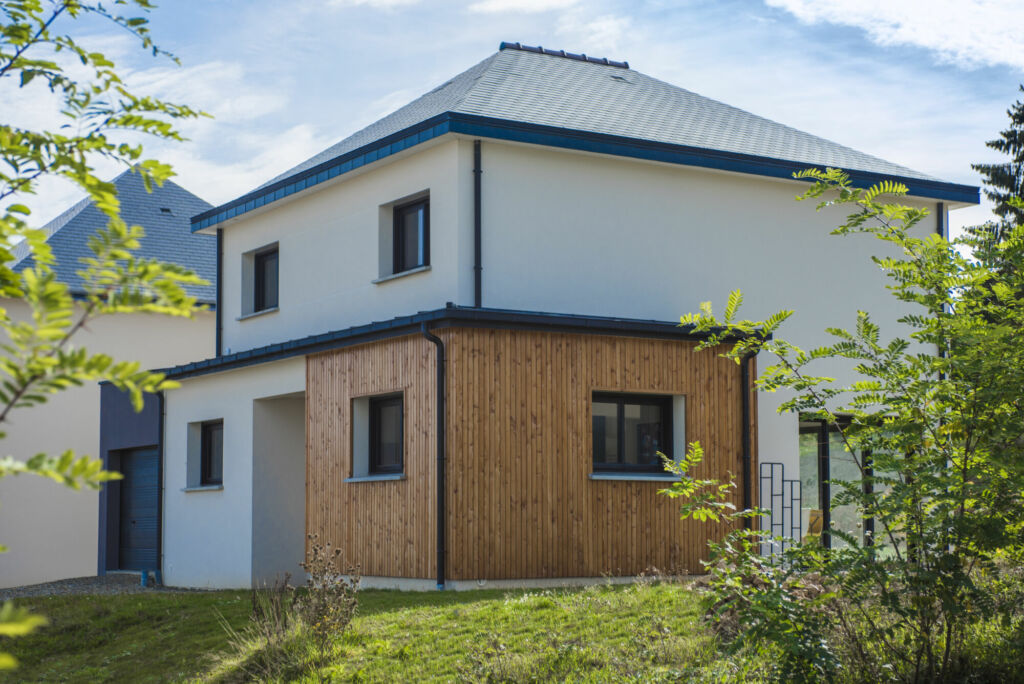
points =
(140, 510)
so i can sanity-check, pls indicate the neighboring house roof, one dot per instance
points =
(164, 213)
(556, 98)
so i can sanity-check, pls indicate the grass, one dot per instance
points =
(644, 632)
(128, 638)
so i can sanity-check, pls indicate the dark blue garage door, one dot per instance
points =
(140, 509)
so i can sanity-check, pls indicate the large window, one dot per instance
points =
(824, 459)
(411, 240)
(265, 280)
(212, 453)
(629, 430)
(385, 435)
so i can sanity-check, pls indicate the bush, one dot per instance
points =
(935, 593)
(331, 597)
(293, 631)
(269, 646)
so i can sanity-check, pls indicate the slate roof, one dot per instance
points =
(548, 97)
(522, 84)
(164, 213)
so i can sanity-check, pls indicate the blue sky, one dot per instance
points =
(919, 82)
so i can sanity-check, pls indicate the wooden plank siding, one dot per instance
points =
(520, 503)
(387, 528)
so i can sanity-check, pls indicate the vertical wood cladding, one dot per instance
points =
(520, 500)
(388, 527)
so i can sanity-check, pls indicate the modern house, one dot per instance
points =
(448, 343)
(51, 530)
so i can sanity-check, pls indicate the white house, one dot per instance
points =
(448, 343)
(50, 530)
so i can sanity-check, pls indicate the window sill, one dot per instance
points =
(204, 488)
(261, 312)
(411, 271)
(635, 477)
(376, 478)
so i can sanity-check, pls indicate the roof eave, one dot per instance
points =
(450, 316)
(565, 138)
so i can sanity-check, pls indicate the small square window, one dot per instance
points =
(265, 279)
(629, 430)
(212, 453)
(386, 435)
(411, 238)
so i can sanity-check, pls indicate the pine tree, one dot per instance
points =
(1006, 180)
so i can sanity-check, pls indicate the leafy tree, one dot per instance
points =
(1006, 180)
(938, 439)
(104, 120)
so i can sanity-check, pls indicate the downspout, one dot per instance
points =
(478, 279)
(748, 446)
(220, 258)
(159, 579)
(440, 411)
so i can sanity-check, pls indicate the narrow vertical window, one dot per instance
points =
(212, 453)
(412, 236)
(386, 435)
(265, 280)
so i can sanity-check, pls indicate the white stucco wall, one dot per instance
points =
(52, 530)
(279, 489)
(589, 234)
(329, 249)
(207, 534)
(563, 232)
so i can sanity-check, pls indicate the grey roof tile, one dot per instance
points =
(550, 90)
(165, 215)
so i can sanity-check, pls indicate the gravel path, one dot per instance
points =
(110, 584)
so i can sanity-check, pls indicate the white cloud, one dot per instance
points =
(521, 6)
(243, 146)
(256, 157)
(968, 33)
(377, 4)
(595, 35)
(203, 87)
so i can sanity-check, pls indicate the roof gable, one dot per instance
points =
(165, 215)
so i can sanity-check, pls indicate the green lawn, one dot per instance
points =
(645, 632)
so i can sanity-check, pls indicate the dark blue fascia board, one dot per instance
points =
(565, 138)
(637, 148)
(332, 168)
(449, 317)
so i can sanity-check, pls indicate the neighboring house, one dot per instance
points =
(447, 344)
(52, 530)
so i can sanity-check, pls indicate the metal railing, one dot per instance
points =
(783, 499)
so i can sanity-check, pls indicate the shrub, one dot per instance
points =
(269, 646)
(936, 438)
(292, 631)
(331, 596)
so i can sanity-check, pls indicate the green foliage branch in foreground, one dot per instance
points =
(103, 122)
(935, 423)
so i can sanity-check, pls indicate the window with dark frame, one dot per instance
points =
(212, 453)
(386, 435)
(411, 235)
(265, 279)
(824, 458)
(629, 430)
